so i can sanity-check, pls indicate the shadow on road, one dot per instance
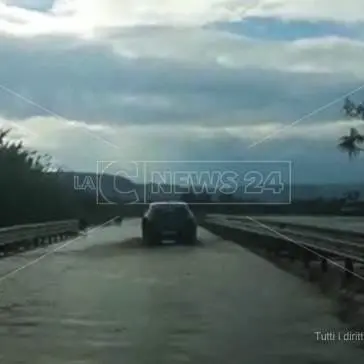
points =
(133, 245)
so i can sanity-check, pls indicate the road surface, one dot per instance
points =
(107, 299)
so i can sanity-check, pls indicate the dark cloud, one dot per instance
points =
(88, 81)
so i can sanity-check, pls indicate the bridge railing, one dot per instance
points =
(19, 237)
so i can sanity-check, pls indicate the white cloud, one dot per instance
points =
(153, 84)
(197, 12)
(202, 46)
(136, 142)
(151, 12)
(328, 10)
(73, 147)
(84, 16)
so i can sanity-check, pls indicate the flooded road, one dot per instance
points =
(106, 298)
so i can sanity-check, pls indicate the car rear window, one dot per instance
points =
(175, 210)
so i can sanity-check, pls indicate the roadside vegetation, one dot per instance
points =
(31, 190)
(352, 143)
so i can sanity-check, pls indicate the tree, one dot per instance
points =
(351, 143)
(31, 190)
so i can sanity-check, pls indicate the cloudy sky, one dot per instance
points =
(126, 80)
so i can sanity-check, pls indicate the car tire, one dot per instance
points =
(150, 239)
(190, 240)
(154, 241)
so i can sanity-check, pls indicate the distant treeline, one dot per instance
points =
(230, 205)
(306, 207)
(31, 190)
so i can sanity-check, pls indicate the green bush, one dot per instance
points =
(31, 190)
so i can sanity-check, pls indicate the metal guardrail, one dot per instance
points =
(309, 245)
(313, 241)
(18, 236)
(337, 232)
(334, 231)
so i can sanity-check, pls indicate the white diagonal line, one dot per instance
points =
(307, 116)
(52, 113)
(35, 261)
(302, 245)
(252, 6)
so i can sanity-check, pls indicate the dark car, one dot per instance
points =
(169, 221)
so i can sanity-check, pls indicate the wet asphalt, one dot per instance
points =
(106, 298)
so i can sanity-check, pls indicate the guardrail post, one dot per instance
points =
(324, 265)
(22, 245)
(6, 249)
(349, 268)
(306, 258)
(294, 252)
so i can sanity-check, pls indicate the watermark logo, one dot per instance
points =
(196, 182)
(115, 183)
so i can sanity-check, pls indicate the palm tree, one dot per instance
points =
(349, 108)
(349, 143)
(32, 191)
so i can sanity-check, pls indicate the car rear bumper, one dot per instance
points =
(172, 233)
